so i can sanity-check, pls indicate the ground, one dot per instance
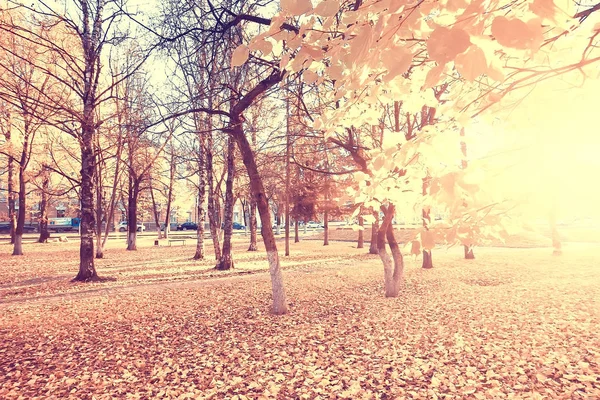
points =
(514, 323)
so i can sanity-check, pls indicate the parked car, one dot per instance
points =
(123, 227)
(313, 224)
(187, 226)
(237, 225)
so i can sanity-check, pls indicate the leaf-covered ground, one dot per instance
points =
(514, 323)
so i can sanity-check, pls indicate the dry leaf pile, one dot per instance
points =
(513, 323)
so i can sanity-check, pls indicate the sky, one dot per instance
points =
(556, 131)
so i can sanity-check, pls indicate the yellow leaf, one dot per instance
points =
(262, 45)
(296, 7)
(416, 248)
(445, 44)
(240, 55)
(514, 33)
(471, 64)
(427, 240)
(309, 76)
(433, 76)
(543, 8)
(397, 61)
(327, 8)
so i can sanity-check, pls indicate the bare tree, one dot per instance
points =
(83, 29)
(23, 87)
(226, 260)
(6, 127)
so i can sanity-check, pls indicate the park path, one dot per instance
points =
(327, 266)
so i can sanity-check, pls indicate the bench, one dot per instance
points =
(177, 240)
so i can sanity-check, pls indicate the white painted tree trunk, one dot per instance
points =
(18, 245)
(393, 267)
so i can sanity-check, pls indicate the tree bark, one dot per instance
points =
(172, 171)
(43, 221)
(426, 213)
(469, 255)
(113, 193)
(326, 229)
(226, 261)
(361, 236)
(253, 224)
(12, 194)
(155, 211)
(392, 273)
(87, 270)
(374, 229)
(427, 259)
(98, 187)
(132, 198)
(213, 218)
(296, 233)
(258, 192)
(287, 178)
(21, 213)
(199, 255)
(91, 37)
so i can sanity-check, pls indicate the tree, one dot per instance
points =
(81, 30)
(43, 217)
(201, 189)
(116, 133)
(141, 147)
(24, 88)
(226, 260)
(6, 127)
(368, 53)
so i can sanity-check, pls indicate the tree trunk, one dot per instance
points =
(426, 213)
(155, 211)
(326, 230)
(98, 227)
(296, 233)
(12, 195)
(258, 192)
(168, 217)
(469, 255)
(253, 224)
(18, 247)
(392, 273)
(113, 194)
(213, 218)
(427, 259)
(172, 171)
(90, 38)
(287, 179)
(361, 236)
(199, 255)
(132, 199)
(87, 270)
(374, 229)
(226, 261)
(43, 221)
